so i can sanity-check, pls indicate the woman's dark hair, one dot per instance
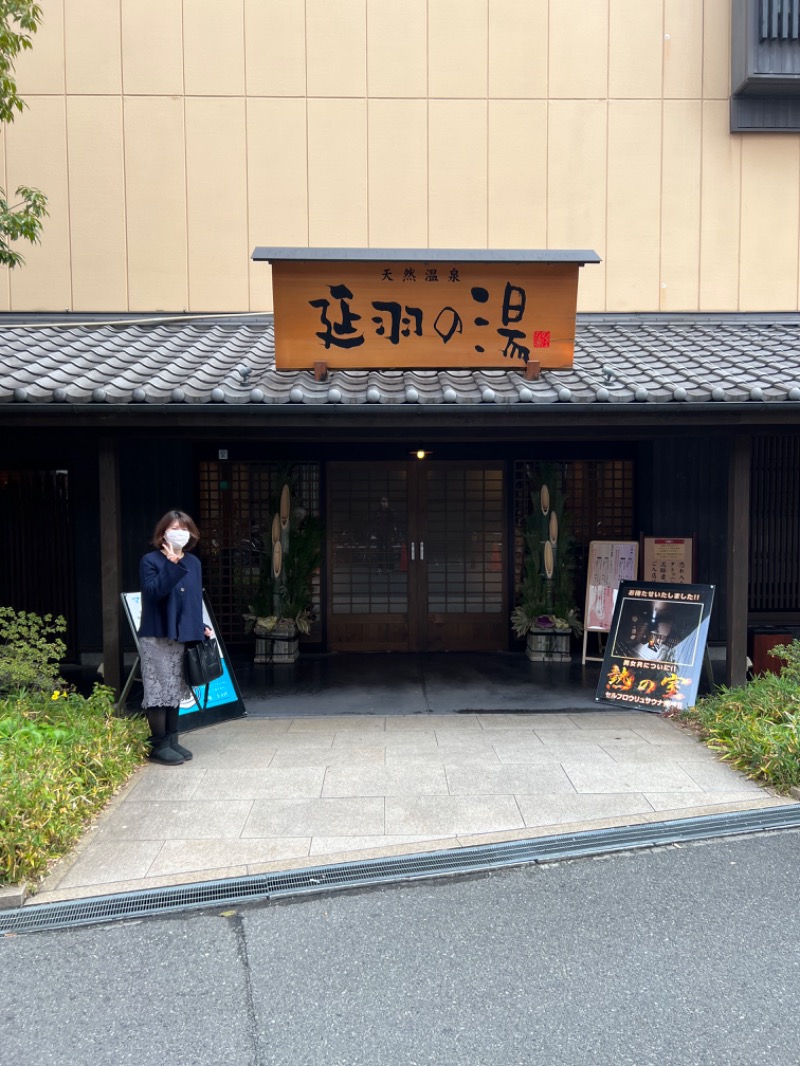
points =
(166, 520)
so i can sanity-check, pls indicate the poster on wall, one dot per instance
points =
(211, 703)
(668, 559)
(655, 650)
(608, 563)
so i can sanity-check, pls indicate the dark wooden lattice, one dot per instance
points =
(237, 503)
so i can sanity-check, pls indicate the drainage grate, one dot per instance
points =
(265, 887)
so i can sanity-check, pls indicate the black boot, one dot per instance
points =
(171, 730)
(162, 751)
(160, 748)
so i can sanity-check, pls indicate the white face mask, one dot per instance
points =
(178, 538)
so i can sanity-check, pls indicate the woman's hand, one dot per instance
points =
(208, 631)
(170, 552)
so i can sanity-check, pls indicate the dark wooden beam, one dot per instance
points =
(110, 563)
(542, 420)
(738, 557)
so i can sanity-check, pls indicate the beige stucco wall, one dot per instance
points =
(173, 136)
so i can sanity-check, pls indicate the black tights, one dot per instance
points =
(163, 721)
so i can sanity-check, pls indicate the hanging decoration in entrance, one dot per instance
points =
(545, 613)
(283, 606)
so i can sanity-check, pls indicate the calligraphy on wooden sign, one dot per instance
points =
(444, 313)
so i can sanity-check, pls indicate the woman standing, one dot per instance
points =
(172, 616)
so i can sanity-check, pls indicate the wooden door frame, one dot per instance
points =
(426, 623)
(417, 576)
(417, 619)
(335, 623)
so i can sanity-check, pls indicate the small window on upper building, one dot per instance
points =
(765, 66)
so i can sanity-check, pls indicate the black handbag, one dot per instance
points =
(202, 664)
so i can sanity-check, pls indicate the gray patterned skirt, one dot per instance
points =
(162, 672)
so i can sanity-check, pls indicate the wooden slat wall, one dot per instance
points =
(682, 489)
(36, 546)
(775, 524)
(688, 495)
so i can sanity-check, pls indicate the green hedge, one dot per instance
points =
(61, 757)
(756, 727)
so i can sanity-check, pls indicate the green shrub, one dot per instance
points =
(61, 757)
(756, 727)
(30, 651)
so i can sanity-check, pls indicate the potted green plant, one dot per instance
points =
(283, 607)
(546, 613)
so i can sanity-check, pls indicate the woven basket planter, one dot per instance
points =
(549, 646)
(280, 645)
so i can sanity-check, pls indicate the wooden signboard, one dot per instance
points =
(432, 309)
(668, 559)
(609, 563)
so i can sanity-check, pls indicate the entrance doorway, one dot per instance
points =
(417, 556)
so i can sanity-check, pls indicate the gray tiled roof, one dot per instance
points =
(229, 360)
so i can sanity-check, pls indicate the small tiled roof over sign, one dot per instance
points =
(228, 361)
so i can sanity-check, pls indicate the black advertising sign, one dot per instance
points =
(656, 645)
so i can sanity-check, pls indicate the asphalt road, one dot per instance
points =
(683, 956)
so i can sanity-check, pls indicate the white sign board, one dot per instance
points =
(609, 563)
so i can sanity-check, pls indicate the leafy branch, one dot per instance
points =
(19, 19)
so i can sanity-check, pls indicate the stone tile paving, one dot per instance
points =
(266, 794)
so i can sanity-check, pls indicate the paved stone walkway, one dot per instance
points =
(264, 794)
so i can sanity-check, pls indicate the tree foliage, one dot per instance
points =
(22, 219)
(30, 651)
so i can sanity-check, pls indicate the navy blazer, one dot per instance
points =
(172, 597)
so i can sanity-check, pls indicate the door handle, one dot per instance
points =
(422, 551)
(413, 556)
